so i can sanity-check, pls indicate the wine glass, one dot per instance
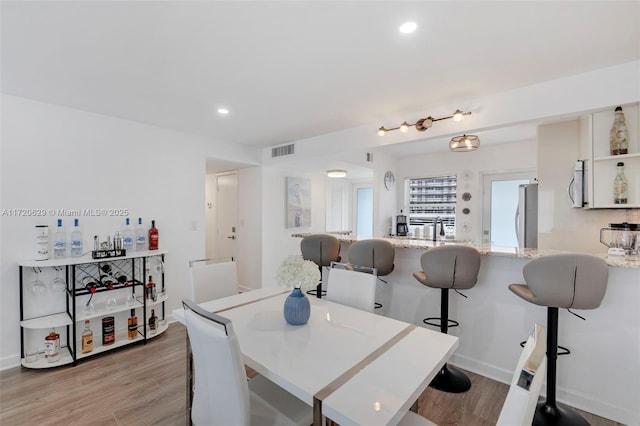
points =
(112, 303)
(58, 285)
(37, 286)
(131, 299)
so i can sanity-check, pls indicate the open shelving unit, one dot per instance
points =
(90, 285)
(604, 165)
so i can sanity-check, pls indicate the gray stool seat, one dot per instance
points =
(449, 267)
(375, 253)
(577, 281)
(321, 249)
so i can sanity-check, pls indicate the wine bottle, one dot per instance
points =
(153, 236)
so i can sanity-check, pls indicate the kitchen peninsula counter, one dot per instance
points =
(519, 253)
(601, 373)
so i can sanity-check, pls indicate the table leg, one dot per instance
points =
(317, 412)
(189, 393)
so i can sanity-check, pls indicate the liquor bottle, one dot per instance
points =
(52, 346)
(127, 236)
(620, 189)
(153, 236)
(619, 135)
(153, 322)
(132, 325)
(150, 289)
(76, 239)
(87, 338)
(59, 242)
(141, 236)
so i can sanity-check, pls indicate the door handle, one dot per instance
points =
(232, 237)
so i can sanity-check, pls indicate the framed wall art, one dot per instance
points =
(298, 202)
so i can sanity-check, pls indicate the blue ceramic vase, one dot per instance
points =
(296, 308)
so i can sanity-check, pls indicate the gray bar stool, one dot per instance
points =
(449, 267)
(321, 249)
(576, 281)
(375, 253)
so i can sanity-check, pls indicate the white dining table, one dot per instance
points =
(352, 366)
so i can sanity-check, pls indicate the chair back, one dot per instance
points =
(321, 249)
(211, 281)
(355, 288)
(451, 267)
(374, 253)
(221, 394)
(568, 280)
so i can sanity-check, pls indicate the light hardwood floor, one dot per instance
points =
(145, 385)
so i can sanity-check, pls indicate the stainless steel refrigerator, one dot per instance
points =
(526, 220)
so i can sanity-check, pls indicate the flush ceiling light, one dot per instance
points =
(408, 27)
(336, 173)
(464, 143)
(223, 111)
(424, 123)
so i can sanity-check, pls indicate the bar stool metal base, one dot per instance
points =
(451, 380)
(554, 415)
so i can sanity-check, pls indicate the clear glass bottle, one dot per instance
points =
(127, 236)
(620, 189)
(619, 135)
(76, 239)
(59, 242)
(141, 236)
(87, 338)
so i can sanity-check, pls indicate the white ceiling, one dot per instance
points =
(291, 70)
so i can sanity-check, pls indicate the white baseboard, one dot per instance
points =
(10, 361)
(579, 401)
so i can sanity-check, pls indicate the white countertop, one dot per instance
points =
(519, 253)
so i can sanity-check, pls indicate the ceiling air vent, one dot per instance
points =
(280, 151)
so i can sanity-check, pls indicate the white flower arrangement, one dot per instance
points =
(296, 272)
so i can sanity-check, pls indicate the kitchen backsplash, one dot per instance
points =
(633, 215)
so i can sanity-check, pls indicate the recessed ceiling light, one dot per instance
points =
(223, 111)
(408, 27)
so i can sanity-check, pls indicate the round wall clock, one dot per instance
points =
(389, 180)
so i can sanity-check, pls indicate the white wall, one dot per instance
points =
(487, 159)
(277, 242)
(211, 214)
(56, 157)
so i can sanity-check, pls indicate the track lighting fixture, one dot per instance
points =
(424, 123)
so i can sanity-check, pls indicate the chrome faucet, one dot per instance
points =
(435, 227)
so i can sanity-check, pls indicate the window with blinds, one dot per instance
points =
(431, 198)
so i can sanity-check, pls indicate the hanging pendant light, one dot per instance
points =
(464, 143)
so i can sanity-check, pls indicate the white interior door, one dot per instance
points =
(499, 204)
(227, 213)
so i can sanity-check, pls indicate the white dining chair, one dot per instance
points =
(222, 395)
(352, 286)
(212, 280)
